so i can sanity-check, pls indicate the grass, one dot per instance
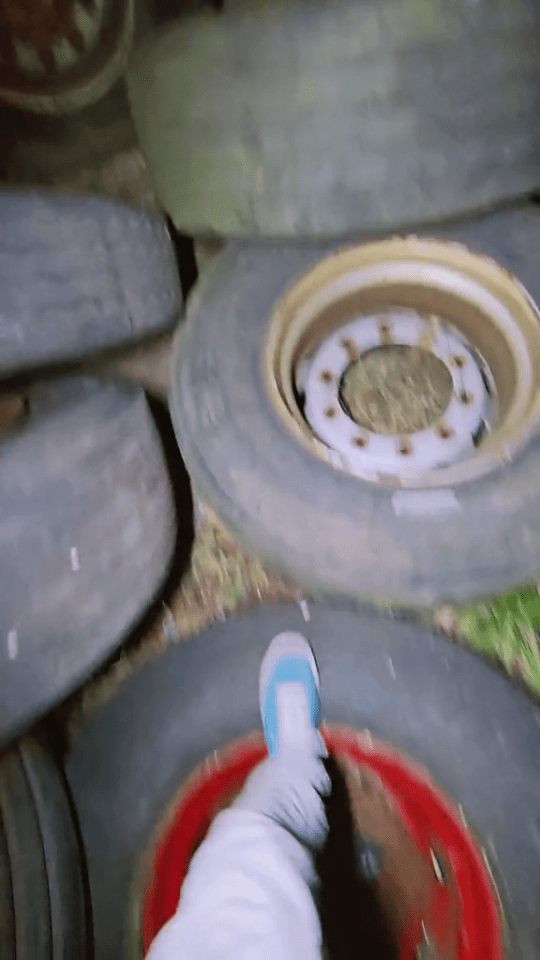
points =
(506, 627)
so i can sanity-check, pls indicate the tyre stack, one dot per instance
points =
(285, 130)
(289, 130)
(86, 512)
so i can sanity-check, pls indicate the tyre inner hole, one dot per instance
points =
(396, 388)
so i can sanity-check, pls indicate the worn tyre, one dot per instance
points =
(322, 119)
(334, 532)
(430, 699)
(80, 275)
(87, 530)
(42, 896)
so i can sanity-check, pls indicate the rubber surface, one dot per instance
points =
(73, 149)
(312, 118)
(41, 877)
(334, 533)
(87, 529)
(477, 734)
(78, 275)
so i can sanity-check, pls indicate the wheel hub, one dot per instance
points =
(363, 450)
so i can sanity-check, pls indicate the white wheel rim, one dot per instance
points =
(423, 288)
(362, 451)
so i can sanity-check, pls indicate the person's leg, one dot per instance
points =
(248, 892)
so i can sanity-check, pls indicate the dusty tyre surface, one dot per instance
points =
(419, 542)
(80, 275)
(323, 119)
(43, 909)
(87, 530)
(429, 699)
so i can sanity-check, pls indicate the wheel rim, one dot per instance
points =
(426, 295)
(453, 910)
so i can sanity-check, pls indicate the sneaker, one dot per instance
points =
(289, 696)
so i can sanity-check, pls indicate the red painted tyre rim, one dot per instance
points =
(428, 815)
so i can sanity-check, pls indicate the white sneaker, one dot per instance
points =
(289, 696)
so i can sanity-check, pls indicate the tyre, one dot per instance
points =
(42, 896)
(148, 769)
(62, 59)
(78, 276)
(385, 513)
(86, 513)
(324, 119)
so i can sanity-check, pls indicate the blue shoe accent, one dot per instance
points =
(288, 670)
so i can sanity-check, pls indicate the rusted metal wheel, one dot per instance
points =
(431, 884)
(56, 57)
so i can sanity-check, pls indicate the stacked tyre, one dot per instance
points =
(86, 506)
(300, 125)
(286, 130)
(42, 878)
(86, 511)
(311, 123)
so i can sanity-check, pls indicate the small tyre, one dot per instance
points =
(133, 761)
(42, 893)
(87, 531)
(464, 520)
(321, 119)
(78, 276)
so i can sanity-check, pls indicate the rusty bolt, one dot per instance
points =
(351, 349)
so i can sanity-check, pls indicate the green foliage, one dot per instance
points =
(507, 627)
